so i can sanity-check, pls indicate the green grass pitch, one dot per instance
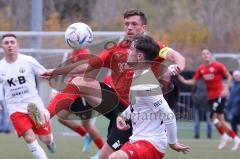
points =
(69, 147)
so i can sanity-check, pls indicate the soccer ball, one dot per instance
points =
(78, 35)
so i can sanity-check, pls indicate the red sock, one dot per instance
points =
(220, 129)
(232, 134)
(80, 130)
(77, 128)
(63, 99)
(99, 142)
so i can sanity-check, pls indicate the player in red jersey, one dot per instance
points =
(213, 72)
(86, 129)
(110, 101)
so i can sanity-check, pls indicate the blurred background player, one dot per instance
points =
(213, 72)
(87, 128)
(234, 102)
(19, 88)
(154, 123)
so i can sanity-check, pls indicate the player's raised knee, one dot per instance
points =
(29, 137)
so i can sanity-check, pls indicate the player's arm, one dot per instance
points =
(77, 68)
(190, 82)
(174, 57)
(229, 80)
(193, 81)
(169, 120)
(228, 84)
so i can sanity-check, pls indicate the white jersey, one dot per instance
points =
(18, 83)
(148, 111)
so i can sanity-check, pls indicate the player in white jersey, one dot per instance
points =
(149, 112)
(17, 82)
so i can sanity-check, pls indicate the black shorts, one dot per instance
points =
(110, 107)
(115, 138)
(81, 109)
(217, 106)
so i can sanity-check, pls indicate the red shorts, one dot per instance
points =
(141, 150)
(22, 122)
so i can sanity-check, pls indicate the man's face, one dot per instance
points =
(206, 55)
(10, 45)
(133, 26)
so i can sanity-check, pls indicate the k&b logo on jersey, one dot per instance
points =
(15, 81)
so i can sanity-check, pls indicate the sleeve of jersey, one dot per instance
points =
(36, 66)
(197, 74)
(169, 120)
(223, 69)
(101, 60)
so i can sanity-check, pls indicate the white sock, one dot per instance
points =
(236, 139)
(225, 135)
(36, 150)
(51, 137)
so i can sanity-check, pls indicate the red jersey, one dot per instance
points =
(77, 55)
(212, 75)
(116, 60)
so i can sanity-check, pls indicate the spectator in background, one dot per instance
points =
(201, 109)
(234, 102)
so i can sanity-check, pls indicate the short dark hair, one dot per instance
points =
(8, 35)
(206, 48)
(133, 12)
(147, 45)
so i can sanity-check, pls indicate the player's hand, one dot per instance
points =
(121, 123)
(180, 147)
(224, 92)
(47, 75)
(174, 70)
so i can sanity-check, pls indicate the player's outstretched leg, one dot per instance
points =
(221, 130)
(49, 141)
(51, 145)
(89, 125)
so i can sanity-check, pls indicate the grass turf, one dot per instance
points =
(69, 147)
